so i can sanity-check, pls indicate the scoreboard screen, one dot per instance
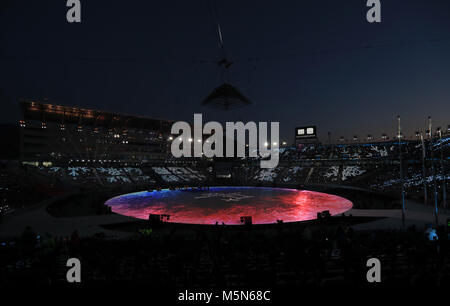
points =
(306, 132)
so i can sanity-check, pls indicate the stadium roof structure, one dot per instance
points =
(32, 110)
(226, 97)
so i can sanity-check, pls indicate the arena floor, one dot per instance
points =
(42, 222)
(227, 205)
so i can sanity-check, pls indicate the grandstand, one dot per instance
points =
(63, 134)
(369, 165)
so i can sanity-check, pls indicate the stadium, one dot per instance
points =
(87, 177)
(320, 159)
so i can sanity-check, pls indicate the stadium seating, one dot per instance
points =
(228, 259)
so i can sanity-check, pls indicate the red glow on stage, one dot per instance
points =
(228, 204)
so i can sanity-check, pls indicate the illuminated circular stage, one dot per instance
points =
(229, 204)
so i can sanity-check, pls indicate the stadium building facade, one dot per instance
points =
(52, 134)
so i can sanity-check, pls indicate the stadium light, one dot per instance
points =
(266, 144)
(284, 143)
(170, 138)
(433, 173)
(399, 135)
(274, 143)
(190, 139)
(439, 132)
(199, 140)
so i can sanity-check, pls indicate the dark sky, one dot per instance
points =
(300, 62)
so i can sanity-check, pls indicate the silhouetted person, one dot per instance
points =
(28, 240)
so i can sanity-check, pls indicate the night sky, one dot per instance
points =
(300, 62)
